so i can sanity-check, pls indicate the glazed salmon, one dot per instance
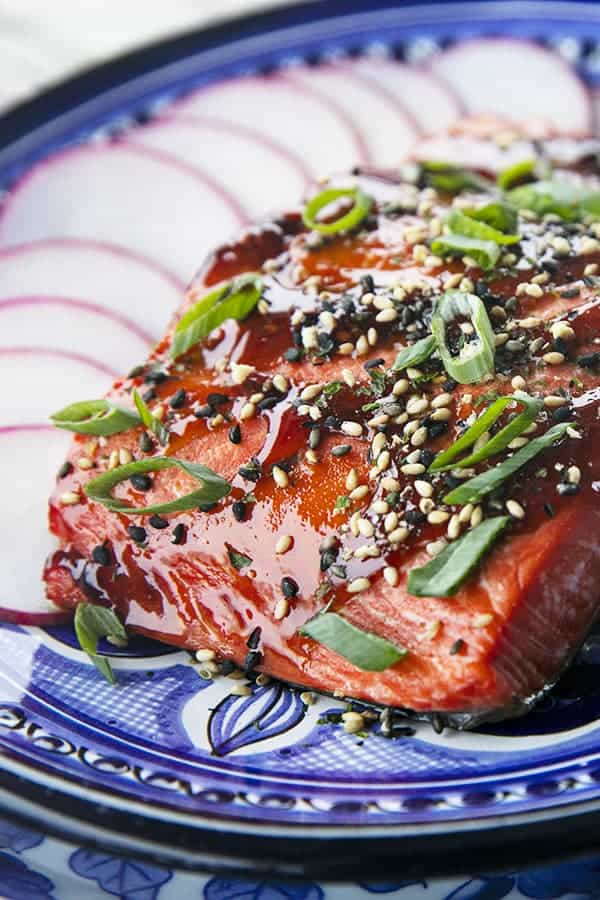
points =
(328, 448)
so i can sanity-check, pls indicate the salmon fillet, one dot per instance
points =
(318, 515)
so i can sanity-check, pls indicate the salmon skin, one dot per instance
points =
(327, 450)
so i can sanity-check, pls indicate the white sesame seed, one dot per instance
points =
(327, 321)
(530, 322)
(476, 517)
(349, 377)
(413, 373)
(500, 339)
(390, 573)
(467, 285)
(573, 433)
(113, 460)
(358, 585)
(573, 474)
(353, 429)
(353, 722)
(483, 620)
(125, 456)
(241, 690)
(562, 330)
(362, 345)
(359, 492)
(308, 698)
(240, 373)
(283, 544)
(453, 530)
(553, 358)
(400, 387)
(518, 383)
(378, 444)
(398, 535)
(390, 484)
(382, 303)
(442, 400)
(280, 477)
(413, 469)
(453, 281)
(346, 349)
(441, 415)
(419, 437)
(367, 299)
(417, 405)
(382, 419)
(262, 307)
(426, 505)
(517, 443)
(297, 317)
(591, 269)
(542, 278)
(205, 655)
(515, 509)
(310, 338)
(390, 522)
(282, 607)
(386, 315)
(431, 631)
(311, 391)
(69, 498)
(365, 550)
(311, 457)
(553, 401)
(351, 480)
(423, 488)
(303, 409)
(84, 462)
(383, 460)
(534, 290)
(589, 245)
(372, 336)
(438, 517)
(561, 246)
(380, 507)
(435, 547)
(366, 528)
(315, 413)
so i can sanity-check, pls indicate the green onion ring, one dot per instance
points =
(360, 210)
(476, 358)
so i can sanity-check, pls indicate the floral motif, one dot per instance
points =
(18, 882)
(581, 879)
(223, 889)
(125, 878)
(239, 721)
(17, 837)
(389, 887)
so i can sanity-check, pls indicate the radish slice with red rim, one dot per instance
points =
(30, 457)
(141, 199)
(432, 105)
(516, 79)
(307, 123)
(46, 380)
(262, 174)
(60, 323)
(387, 130)
(102, 275)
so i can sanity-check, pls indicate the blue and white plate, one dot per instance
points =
(115, 186)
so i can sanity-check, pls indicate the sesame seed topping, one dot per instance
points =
(70, 498)
(553, 358)
(515, 509)
(247, 411)
(284, 543)
(205, 655)
(352, 429)
(280, 477)
(358, 585)
(282, 608)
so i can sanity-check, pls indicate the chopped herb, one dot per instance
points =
(151, 422)
(238, 560)
(342, 502)
(415, 354)
(332, 388)
(97, 417)
(92, 623)
(364, 650)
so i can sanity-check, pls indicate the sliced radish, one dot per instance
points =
(516, 79)
(432, 105)
(595, 101)
(62, 324)
(387, 130)
(463, 150)
(263, 175)
(138, 198)
(120, 282)
(47, 380)
(29, 457)
(306, 122)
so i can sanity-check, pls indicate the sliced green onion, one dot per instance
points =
(470, 226)
(499, 216)
(443, 575)
(474, 489)
(360, 210)
(213, 486)
(485, 253)
(501, 440)
(151, 422)
(238, 560)
(475, 358)
(451, 179)
(416, 354)
(364, 650)
(508, 177)
(100, 417)
(92, 623)
(234, 300)
(569, 201)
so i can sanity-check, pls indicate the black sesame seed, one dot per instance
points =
(155, 377)
(314, 438)
(101, 555)
(367, 283)
(435, 429)
(426, 457)
(141, 482)
(253, 659)
(65, 469)
(217, 399)
(178, 399)
(437, 723)
(450, 384)
(373, 363)
(588, 360)
(414, 516)
(226, 667)
(561, 346)
(254, 638)
(341, 450)
(137, 533)
(569, 294)
(451, 482)
(235, 434)
(149, 395)
(293, 354)
(289, 587)
(178, 534)
(328, 557)
(332, 422)
(568, 489)
(136, 371)
(561, 414)
(238, 507)
(250, 473)
(158, 522)
(146, 443)
(456, 647)
(268, 403)
(392, 409)
(549, 510)
(204, 412)
(338, 571)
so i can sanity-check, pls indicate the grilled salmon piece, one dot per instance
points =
(327, 450)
